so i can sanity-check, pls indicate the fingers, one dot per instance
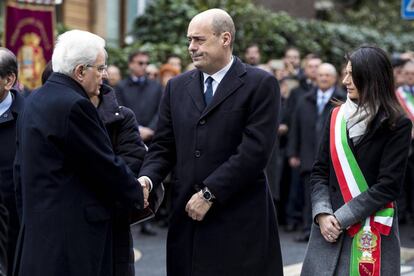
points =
(336, 224)
(145, 189)
(330, 228)
(197, 207)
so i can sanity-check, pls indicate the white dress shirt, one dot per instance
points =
(6, 103)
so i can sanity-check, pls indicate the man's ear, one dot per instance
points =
(79, 72)
(9, 81)
(226, 37)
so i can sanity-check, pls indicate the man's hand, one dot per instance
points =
(197, 207)
(145, 188)
(283, 129)
(146, 133)
(330, 228)
(294, 162)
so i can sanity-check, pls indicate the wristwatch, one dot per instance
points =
(207, 195)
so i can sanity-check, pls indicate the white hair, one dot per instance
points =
(74, 48)
(329, 68)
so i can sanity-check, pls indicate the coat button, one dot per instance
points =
(197, 153)
(333, 189)
(202, 122)
(116, 114)
(5, 115)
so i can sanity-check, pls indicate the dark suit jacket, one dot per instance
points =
(224, 146)
(7, 192)
(143, 99)
(67, 183)
(307, 127)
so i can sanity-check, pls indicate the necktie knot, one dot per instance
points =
(208, 94)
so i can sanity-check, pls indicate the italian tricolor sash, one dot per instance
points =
(407, 101)
(366, 236)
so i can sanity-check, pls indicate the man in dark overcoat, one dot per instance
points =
(217, 127)
(140, 94)
(309, 119)
(11, 105)
(67, 176)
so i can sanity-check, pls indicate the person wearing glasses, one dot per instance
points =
(140, 94)
(68, 179)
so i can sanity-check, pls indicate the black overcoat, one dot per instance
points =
(224, 146)
(7, 192)
(142, 98)
(67, 182)
(126, 142)
(382, 155)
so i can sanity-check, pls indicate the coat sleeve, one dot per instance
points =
(293, 147)
(161, 155)
(390, 178)
(321, 202)
(245, 166)
(128, 144)
(89, 147)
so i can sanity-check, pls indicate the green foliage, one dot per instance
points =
(382, 15)
(162, 31)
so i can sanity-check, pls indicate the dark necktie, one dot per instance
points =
(208, 95)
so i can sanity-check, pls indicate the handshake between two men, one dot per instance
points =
(196, 208)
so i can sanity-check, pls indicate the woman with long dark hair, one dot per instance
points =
(358, 174)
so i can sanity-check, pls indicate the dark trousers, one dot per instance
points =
(294, 204)
(307, 206)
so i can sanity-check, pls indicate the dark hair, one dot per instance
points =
(136, 53)
(8, 63)
(47, 72)
(372, 75)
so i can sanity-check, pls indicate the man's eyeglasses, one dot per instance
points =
(100, 68)
(142, 63)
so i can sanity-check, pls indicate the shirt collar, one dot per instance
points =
(327, 94)
(218, 76)
(6, 103)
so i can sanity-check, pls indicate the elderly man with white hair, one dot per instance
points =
(309, 118)
(67, 176)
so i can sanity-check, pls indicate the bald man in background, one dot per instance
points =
(217, 127)
(309, 118)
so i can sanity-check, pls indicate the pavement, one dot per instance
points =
(151, 260)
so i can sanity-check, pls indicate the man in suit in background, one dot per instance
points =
(11, 105)
(310, 115)
(140, 94)
(217, 126)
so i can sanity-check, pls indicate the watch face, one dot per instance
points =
(207, 195)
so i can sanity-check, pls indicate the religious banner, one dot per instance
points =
(29, 34)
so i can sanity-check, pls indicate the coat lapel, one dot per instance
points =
(228, 85)
(194, 88)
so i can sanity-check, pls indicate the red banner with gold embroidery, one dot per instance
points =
(29, 34)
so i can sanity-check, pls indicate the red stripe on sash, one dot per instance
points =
(335, 160)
